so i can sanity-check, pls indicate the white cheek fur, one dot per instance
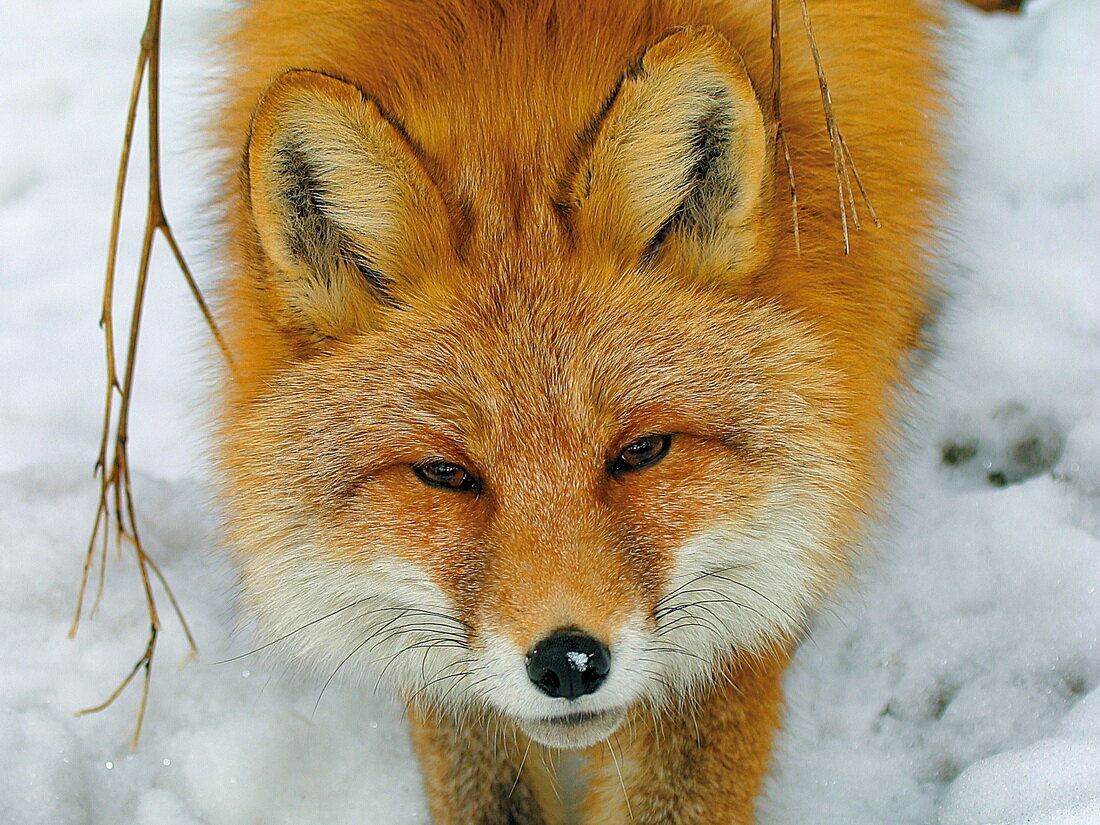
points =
(732, 589)
(741, 589)
(383, 622)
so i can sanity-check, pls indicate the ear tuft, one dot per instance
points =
(340, 203)
(680, 163)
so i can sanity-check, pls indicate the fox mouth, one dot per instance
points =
(574, 731)
(579, 718)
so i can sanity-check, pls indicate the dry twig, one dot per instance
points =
(115, 515)
(843, 163)
(777, 113)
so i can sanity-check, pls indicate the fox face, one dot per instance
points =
(553, 472)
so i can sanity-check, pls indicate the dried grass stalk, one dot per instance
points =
(843, 163)
(777, 114)
(116, 520)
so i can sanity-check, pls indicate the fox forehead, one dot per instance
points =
(586, 365)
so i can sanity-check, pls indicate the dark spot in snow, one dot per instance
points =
(1009, 445)
(954, 454)
(945, 771)
(940, 703)
(1073, 685)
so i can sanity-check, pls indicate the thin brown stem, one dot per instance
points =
(196, 293)
(777, 114)
(116, 515)
(859, 183)
(102, 581)
(123, 684)
(106, 322)
(192, 647)
(843, 164)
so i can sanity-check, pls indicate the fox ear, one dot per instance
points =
(679, 163)
(341, 204)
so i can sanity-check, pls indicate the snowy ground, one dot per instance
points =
(958, 684)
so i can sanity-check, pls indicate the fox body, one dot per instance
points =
(539, 410)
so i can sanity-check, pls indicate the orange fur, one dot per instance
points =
(519, 235)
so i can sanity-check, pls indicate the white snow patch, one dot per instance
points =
(577, 659)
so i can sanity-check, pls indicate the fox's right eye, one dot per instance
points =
(447, 475)
(641, 453)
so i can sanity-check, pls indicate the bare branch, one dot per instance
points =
(777, 114)
(115, 513)
(843, 164)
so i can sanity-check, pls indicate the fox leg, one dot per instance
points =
(696, 764)
(481, 771)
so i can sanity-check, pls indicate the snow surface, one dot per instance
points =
(957, 683)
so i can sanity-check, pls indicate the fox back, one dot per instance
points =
(541, 410)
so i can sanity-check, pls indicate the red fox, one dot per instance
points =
(540, 413)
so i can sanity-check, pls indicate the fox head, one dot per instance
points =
(551, 472)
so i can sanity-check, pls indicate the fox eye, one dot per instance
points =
(447, 475)
(641, 453)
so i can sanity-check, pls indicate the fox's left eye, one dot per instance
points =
(447, 475)
(641, 453)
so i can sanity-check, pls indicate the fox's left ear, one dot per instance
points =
(680, 163)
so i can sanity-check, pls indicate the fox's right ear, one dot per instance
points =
(342, 206)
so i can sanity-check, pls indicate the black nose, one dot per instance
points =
(568, 664)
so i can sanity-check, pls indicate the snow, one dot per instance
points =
(577, 659)
(957, 681)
